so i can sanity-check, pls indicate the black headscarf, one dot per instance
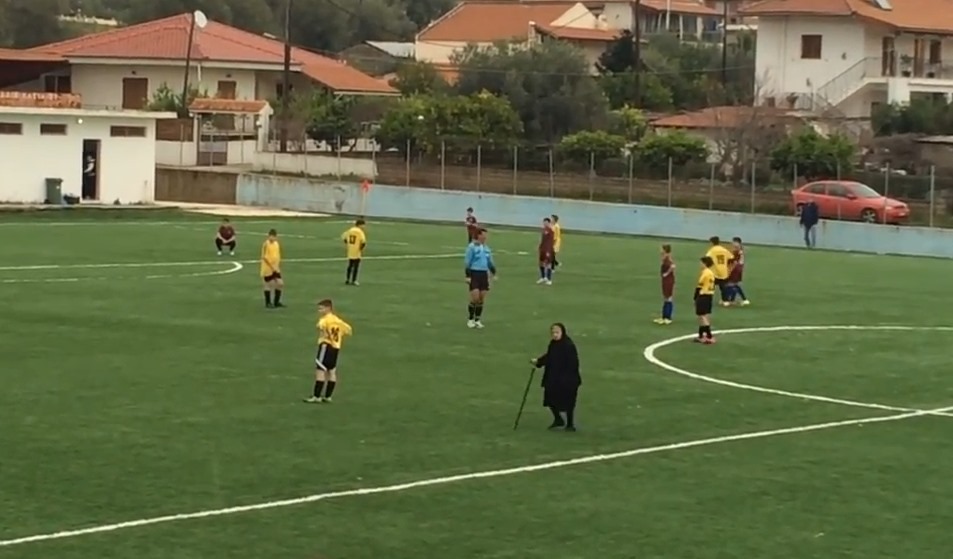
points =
(562, 360)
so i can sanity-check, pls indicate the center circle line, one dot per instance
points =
(649, 354)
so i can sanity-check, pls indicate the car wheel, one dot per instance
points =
(798, 209)
(868, 216)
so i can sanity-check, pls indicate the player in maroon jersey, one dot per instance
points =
(225, 237)
(668, 285)
(736, 273)
(547, 249)
(473, 227)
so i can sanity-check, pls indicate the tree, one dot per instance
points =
(620, 82)
(921, 116)
(28, 23)
(628, 122)
(419, 78)
(811, 155)
(548, 84)
(745, 134)
(456, 122)
(422, 12)
(591, 147)
(329, 118)
(658, 151)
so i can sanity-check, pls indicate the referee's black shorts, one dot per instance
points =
(479, 280)
(703, 304)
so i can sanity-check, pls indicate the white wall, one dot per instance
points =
(177, 154)
(438, 52)
(126, 165)
(619, 15)
(101, 85)
(780, 69)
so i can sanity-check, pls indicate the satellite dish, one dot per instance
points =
(198, 17)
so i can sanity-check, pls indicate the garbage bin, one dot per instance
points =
(54, 191)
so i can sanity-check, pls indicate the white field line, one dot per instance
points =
(235, 267)
(397, 488)
(211, 262)
(649, 354)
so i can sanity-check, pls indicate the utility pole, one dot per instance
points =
(286, 83)
(637, 48)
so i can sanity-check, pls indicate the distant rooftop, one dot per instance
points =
(395, 49)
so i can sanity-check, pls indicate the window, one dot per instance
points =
(280, 88)
(838, 190)
(936, 52)
(11, 128)
(226, 90)
(816, 188)
(52, 129)
(57, 84)
(811, 47)
(127, 131)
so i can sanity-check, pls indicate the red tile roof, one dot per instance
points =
(213, 105)
(167, 39)
(928, 16)
(40, 100)
(11, 55)
(486, 22)
(722, 117)
(579, 33)
(691, 7)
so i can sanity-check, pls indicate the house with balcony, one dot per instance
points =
(484, 23)
(693, 20)
(126, 67)
(843, 58)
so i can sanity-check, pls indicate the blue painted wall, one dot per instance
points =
(598, 217)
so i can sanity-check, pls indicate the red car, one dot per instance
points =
(851, 201)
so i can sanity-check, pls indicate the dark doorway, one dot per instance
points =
(90, 169)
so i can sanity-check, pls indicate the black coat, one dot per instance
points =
(809, 215)
(561, 378)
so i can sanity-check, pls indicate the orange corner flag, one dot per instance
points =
(365, 185)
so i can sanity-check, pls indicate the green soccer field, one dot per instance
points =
(151, 407)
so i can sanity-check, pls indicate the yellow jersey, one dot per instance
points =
(720, 256)
(706, 283)
(270, 258)
(354, 242)
(332, 330)
(557, 237)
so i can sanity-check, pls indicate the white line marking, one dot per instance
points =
(462, 477)
(235, 267)
(210, 262)
(649, 354)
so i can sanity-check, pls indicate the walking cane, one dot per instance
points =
(529, 383)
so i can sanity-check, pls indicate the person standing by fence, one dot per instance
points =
(809, 219)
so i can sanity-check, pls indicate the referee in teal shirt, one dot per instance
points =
(478, 264)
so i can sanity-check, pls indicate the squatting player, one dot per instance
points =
(355, 241)
(331, 333)
(271, 270)
(736, 272)
(225, 237)
(668, 286)
(704, 296)
(558, 234)
(478, 266)
(473, 227)
(547, 245)
(720, 256)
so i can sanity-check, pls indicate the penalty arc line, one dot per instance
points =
(649, 355)
(396, 488)
(236, 267)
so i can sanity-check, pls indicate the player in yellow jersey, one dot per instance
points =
(558, 238)
(271, 270)
(704, 295)
(721, 257)
(331, 333)
(354, 243)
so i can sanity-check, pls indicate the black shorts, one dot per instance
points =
(327, 357)
(703, 304)
(273, 277)
(479, 281)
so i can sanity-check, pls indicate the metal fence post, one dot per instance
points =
(516, 166)
(932, 193)
(754, 174)
(443, 164)
(711, 188)
(592, 173)
(886, 192)
(631, 173)
(407, 170)
(479, 166)
(670, 182)
(552, 178)
(340, 161)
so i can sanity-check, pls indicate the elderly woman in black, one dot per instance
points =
(561, 378)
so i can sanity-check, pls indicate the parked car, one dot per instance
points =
(848, 200)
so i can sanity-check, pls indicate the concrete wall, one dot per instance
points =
(195, 186)
(435, 205)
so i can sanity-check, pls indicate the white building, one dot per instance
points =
(687, 19)
(102, 156)
(849, 56)
(484, 23)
